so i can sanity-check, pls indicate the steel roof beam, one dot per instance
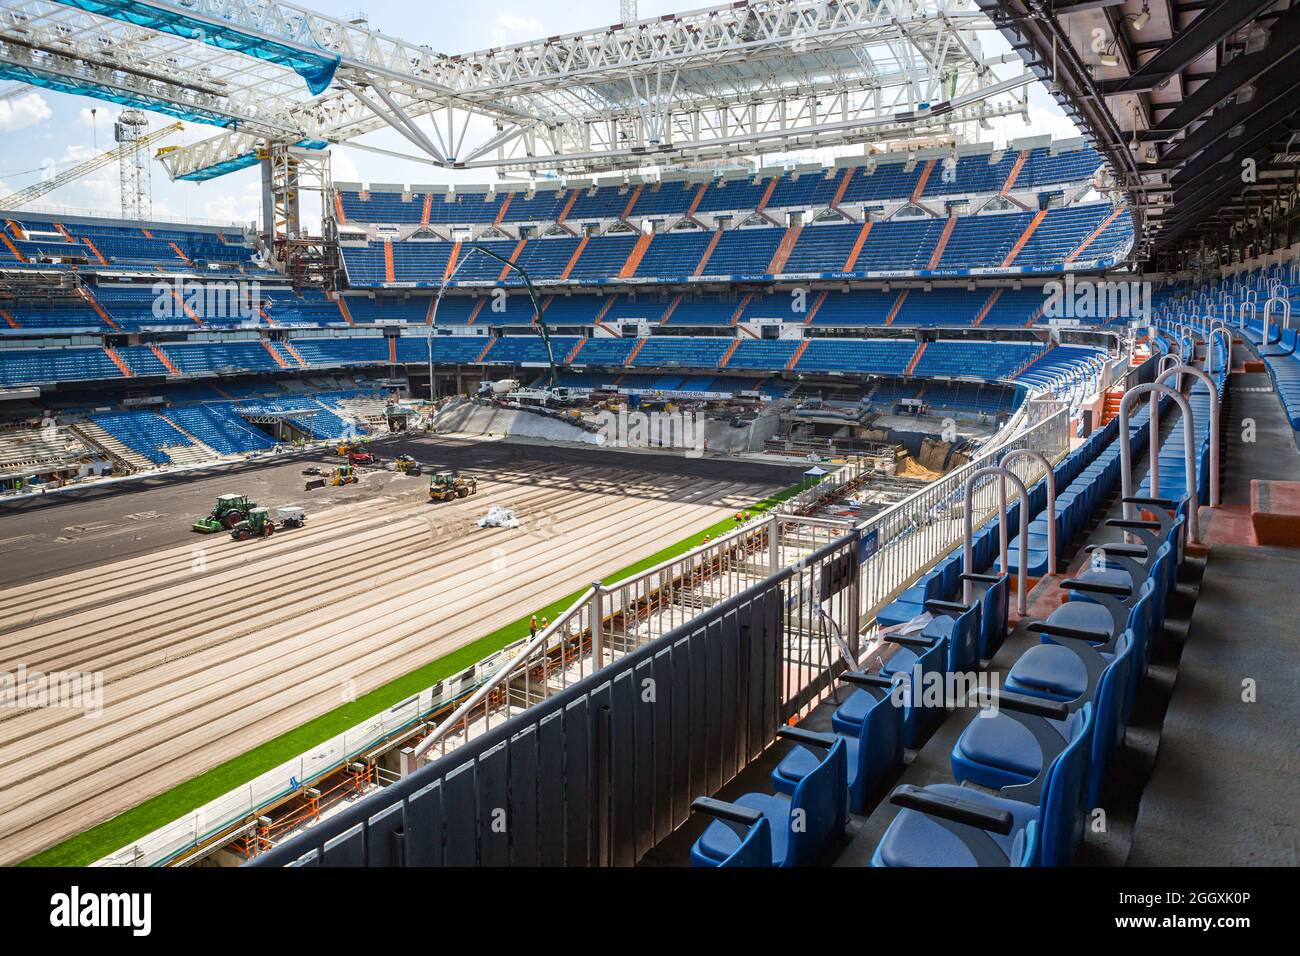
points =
(1283, 43)
(1221, 20)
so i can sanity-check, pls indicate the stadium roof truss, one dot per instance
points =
(1194, 102)
(741, 79)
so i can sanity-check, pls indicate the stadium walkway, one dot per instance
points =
(1225, 786)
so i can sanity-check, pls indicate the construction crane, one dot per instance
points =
(125, 149)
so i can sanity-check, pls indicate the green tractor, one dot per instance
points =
(258, 524)
(229, 511)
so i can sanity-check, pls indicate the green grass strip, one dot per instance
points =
(156, 812)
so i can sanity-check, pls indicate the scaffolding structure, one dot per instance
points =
(131, 133)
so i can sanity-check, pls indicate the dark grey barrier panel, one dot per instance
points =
(594, 775)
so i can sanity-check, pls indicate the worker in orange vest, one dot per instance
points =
(532, 626)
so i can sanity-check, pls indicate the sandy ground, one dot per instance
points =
(209, 647)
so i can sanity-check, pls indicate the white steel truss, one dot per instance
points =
(746, 78)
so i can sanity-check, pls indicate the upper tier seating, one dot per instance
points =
(906, 245)
(889, 180)
(50, 365)
(92, 245)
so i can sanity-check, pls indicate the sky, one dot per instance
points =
(42, 131)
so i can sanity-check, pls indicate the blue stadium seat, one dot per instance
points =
(803, 825)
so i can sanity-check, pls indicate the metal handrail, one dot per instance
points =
(1189, 448)
(968, 548)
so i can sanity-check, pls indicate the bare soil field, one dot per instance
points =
(208, 647)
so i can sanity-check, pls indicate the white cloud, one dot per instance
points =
(343, 167)
(511, 28)
(103, 117)
(241, 207)
(24, 111)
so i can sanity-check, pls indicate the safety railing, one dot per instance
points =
(679, 716)
(902, 542)
(610, 621)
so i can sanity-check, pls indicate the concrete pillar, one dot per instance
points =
(408, 763)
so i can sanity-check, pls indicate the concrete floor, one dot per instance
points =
(1225, 786)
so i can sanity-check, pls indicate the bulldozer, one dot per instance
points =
(406, 465)
(344, 475)
(446, 485)
(229, 511)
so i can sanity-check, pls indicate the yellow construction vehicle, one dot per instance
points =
(446, 485)
(344, 475)
(406, 465)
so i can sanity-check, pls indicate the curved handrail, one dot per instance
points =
(1189, 449)
(1051, 497)
(1268, 311)
(1241, 313)
(1209, 383)
(968, 548)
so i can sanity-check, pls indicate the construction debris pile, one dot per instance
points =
(498, 517)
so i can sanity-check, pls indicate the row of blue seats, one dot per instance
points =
(982, 241)
(1026, 769)
(984, 360)
(132, 308)
(968, 175)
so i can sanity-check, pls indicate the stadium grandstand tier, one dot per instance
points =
(89, 245)
(888, 179)
(1012, 242)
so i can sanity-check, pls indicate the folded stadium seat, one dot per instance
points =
(999, 752)
(957, 625)
(911, 602)
(872, 753)
(953, 825)
(1057, 674)
(803, 825)
(918, 719)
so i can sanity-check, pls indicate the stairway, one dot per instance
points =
(631, 356)
(1024, 237)
(782, 254)
(1110, 408)
(1015, 171)
(111, 447)
(731, 350)
(708, 251)
(798, 354)
(916, 358)
(119, 362)
(942, 243)
(637, 253)
(166, 361)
